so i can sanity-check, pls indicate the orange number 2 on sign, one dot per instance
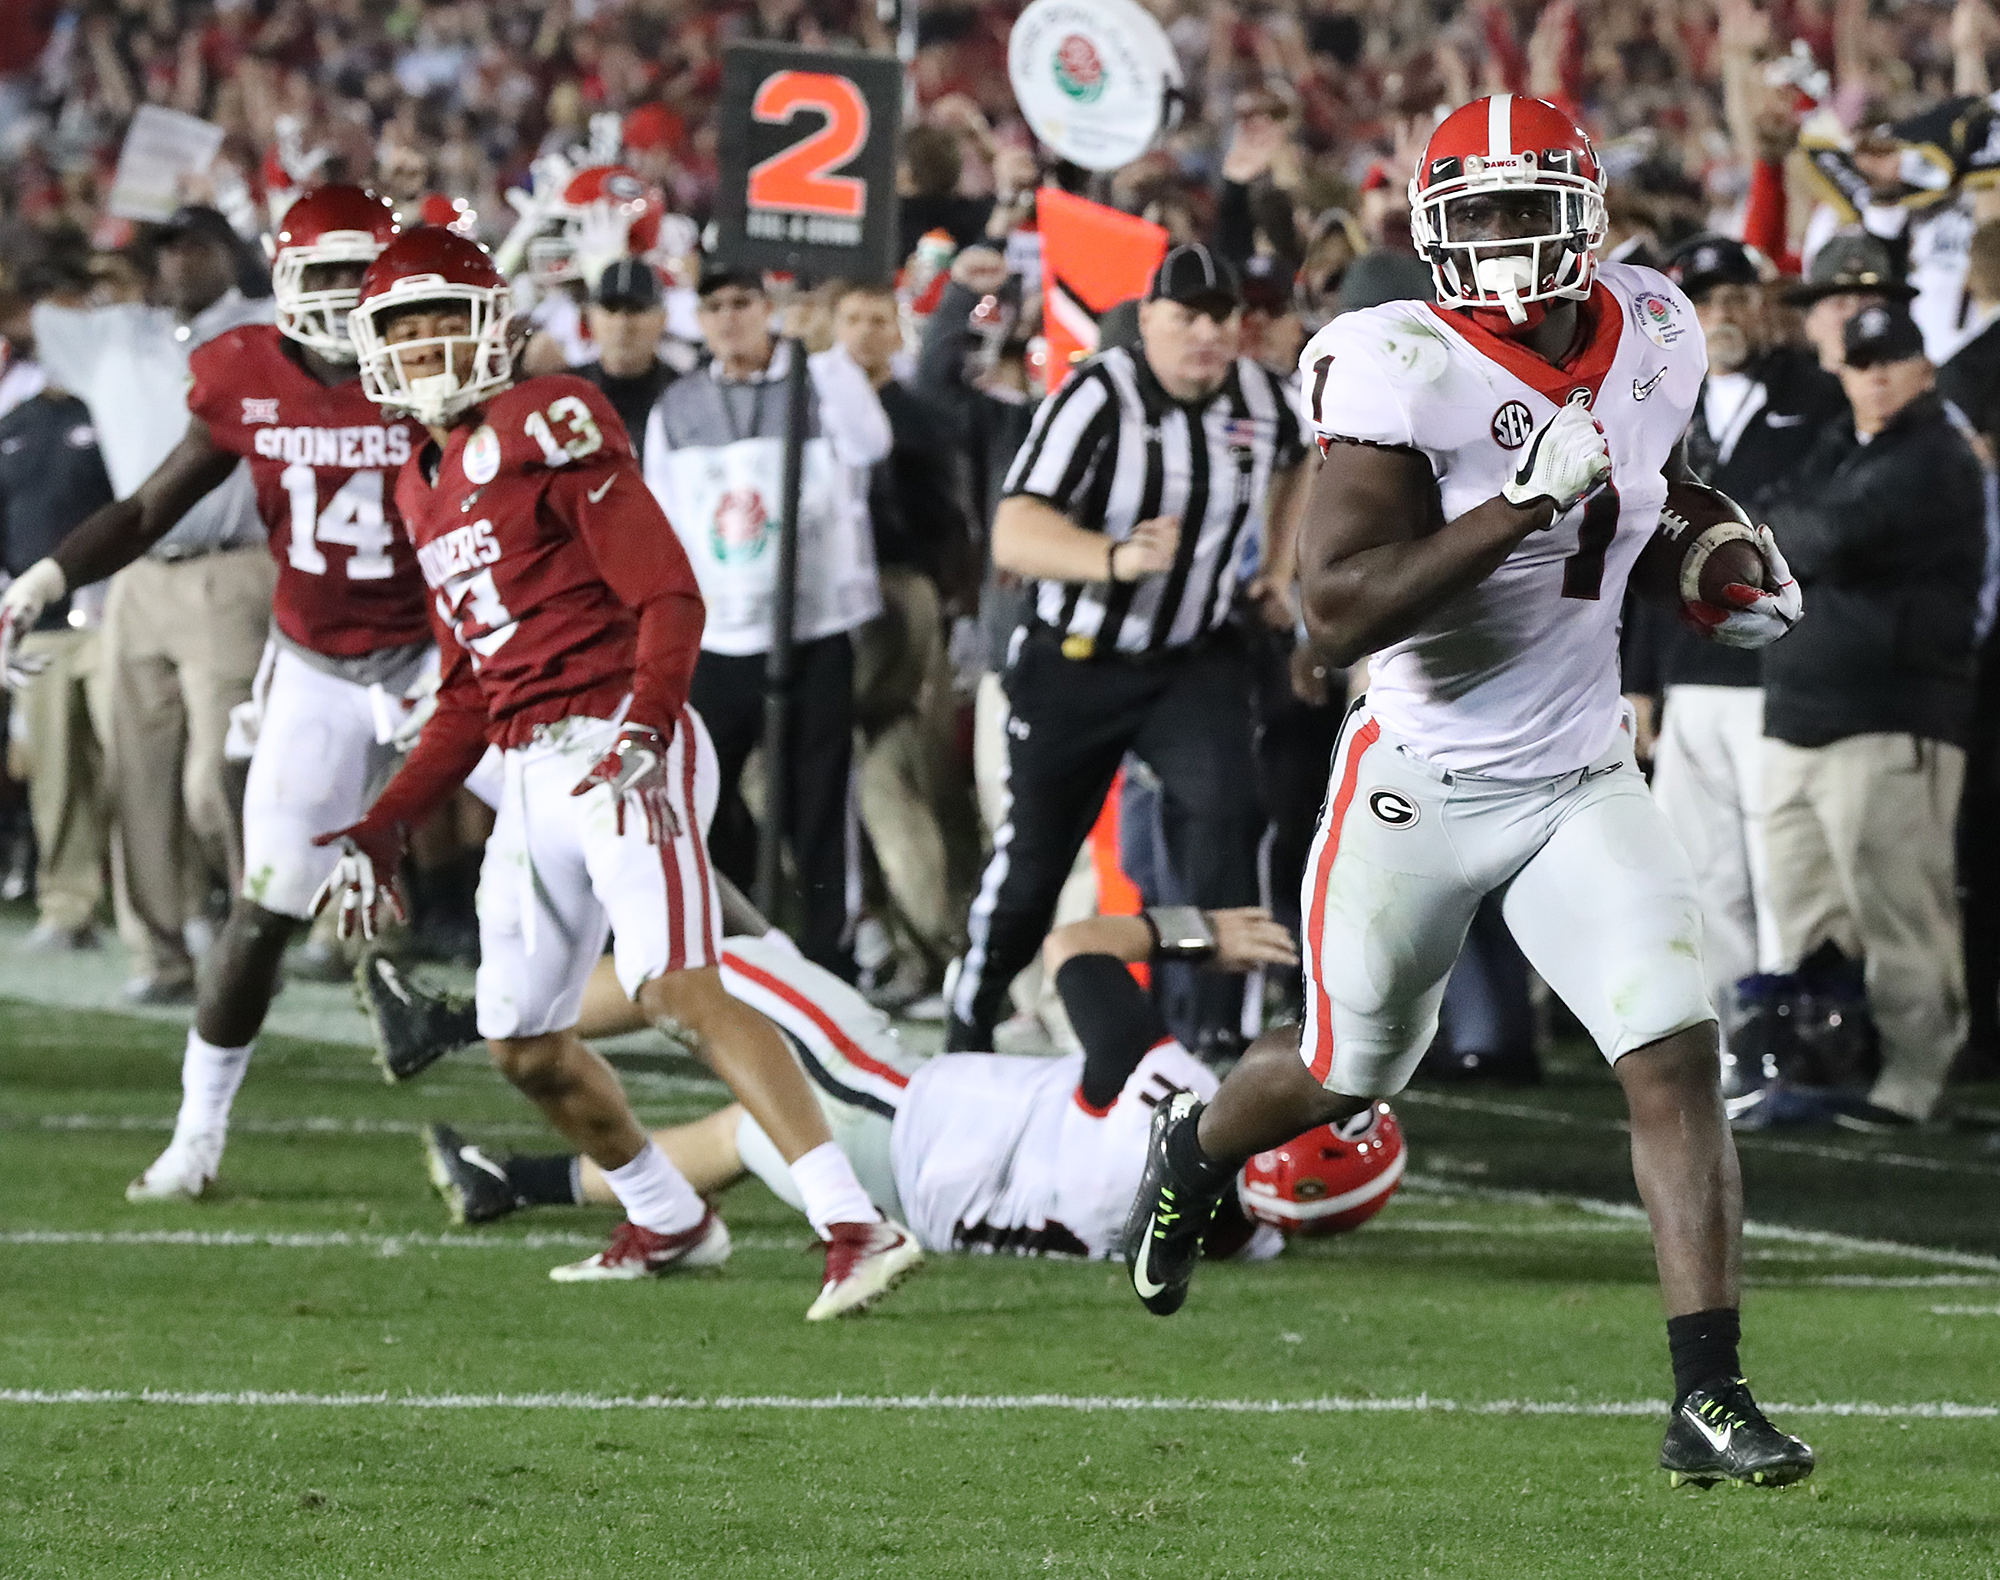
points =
(796, 179)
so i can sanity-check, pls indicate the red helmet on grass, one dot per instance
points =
(1507, 144)
(332, 224)
(434, 268)
(1328, 1180)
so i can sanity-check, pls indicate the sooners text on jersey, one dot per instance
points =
(537, 538)
(1516, 677)
(320, 456)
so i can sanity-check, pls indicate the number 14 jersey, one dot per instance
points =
(1516, 677)
(324, 459)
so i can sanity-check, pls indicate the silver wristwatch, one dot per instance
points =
(1180, 932)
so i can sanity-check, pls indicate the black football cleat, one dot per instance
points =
(473, 1186)
(1718, 1434)
(1169, 1215)
(413, 1028)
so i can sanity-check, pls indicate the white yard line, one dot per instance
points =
(1746, 1141)
(331, 1125)
(1965, 1311)
(336, 1239)
(1419, 1404)
(1853, 1245)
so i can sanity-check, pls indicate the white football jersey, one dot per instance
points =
(997, 1153)
(1516, 677)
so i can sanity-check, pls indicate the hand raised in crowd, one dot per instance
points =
(1149, 551)
(1246, 937)
(981, 270)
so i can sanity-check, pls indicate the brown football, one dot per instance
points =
(1690, 510)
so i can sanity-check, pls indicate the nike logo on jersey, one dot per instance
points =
(1146, 1287)
(1641, 391)
(601, 489)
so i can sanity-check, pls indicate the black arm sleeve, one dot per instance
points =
(1115, 1021)
(1235, 234)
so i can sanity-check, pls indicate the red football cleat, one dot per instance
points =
(640, 1253)
(863, 1262)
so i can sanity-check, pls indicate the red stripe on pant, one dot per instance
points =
(828, 1027)
(703, 897)
(1321, 1063)
(670, 866)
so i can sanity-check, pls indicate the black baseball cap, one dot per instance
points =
(628, 286)
(1195, 277)
(1699, 265)
(197, 222)
(1881, 332)
(1267, 282)
(1851, 263)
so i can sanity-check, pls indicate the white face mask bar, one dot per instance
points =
(317, 319)
(434, 398)
(1558, 262)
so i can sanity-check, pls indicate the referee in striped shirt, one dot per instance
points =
(1138, 498)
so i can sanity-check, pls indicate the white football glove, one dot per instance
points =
(1565, 460)
(535, 206)
(21, 605)
(602, 239)
(1759, 617)
(363, 880)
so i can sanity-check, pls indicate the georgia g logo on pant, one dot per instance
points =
(1392, 808)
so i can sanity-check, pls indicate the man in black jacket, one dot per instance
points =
(1762, 408)
(1869, 705)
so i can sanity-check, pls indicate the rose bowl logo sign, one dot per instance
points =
(1079, 69)
(741, 526)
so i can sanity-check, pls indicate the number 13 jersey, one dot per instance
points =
(1516, 677)
(539, 540)
(324, 459)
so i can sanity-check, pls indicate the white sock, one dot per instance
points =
(209, 1079)
(655, 1194)
(829, 1189)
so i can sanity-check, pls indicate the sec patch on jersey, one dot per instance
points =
(1704, 544)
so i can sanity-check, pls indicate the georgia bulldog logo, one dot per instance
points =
(1079, 70)
(741, 526)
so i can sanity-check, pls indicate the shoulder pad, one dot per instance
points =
(545, 424)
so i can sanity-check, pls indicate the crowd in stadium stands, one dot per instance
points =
(1813, 173)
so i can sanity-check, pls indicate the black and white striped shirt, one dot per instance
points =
(1111, 448)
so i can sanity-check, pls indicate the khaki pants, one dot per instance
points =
(181, 646)
(68, 797)
(902, 705)
(1858, 836)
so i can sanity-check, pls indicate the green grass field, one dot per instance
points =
(311, 1376)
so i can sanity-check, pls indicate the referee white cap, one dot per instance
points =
(1193, 275)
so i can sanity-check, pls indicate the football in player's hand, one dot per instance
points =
(1690, 511)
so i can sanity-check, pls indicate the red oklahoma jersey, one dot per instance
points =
(323, 459)
(541, 545)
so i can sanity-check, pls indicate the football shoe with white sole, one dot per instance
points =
(1718, 1434)
(413, 1028)
(473, 1186)
(864, 1261)
(1170, 1215)
(183, 1172)
(640, 1253)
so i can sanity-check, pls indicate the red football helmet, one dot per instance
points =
(448, 213)
(332, 224)
(1328, 1180)
(1506, 143)
(552, 258)
(434, 268)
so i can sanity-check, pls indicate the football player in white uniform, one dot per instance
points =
(1493, 466)
(978, 1151)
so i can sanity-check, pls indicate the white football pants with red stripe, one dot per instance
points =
(1596, 890)
(558, 875)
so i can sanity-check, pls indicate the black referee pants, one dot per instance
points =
(728, 692)
(1070, 724)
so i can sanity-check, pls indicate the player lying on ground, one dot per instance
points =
(568, 621)
(349, 631)
(1494, 466)
(975, 1151)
